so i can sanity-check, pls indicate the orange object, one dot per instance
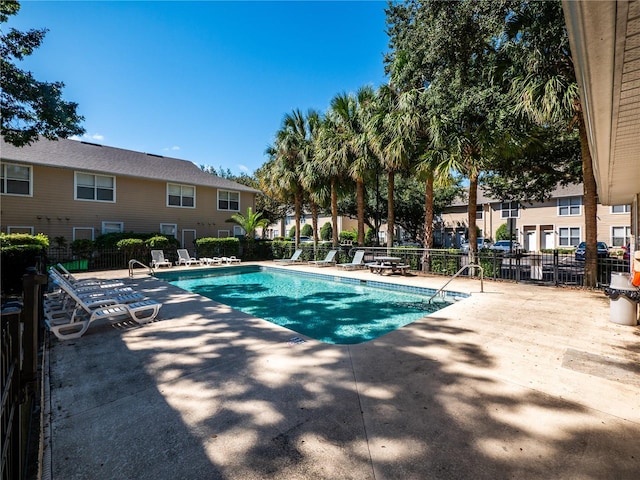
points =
(635, 269)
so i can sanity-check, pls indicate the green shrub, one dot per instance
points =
(370, 237)
(217, 247)
(306, 230)
(348, 235)
(292, 232)
(82, 248)
(160, 242)
(132, 247)
(19, 251)
(12, 239)
(445, 261)
(326, 232)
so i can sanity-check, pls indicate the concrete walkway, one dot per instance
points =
(518, 382)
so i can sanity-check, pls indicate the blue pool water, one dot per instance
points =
(329, 309)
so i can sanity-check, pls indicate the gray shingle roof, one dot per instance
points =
(91, 157)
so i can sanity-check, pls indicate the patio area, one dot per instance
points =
(520, 381)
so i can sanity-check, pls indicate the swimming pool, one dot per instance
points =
(330, 309)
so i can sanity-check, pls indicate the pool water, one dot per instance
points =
(327, 309)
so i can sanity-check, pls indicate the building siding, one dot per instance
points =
(141, 205)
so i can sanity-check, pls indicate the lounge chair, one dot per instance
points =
(77, 282)
(231, 259)
(158, 260)
(328, 260)
(185, 259)
(72, 324)
(357, 261)
(295, 258)
(211, 260)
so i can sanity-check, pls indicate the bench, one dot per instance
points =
(379, 268)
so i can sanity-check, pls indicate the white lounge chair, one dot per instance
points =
(357, 261)
(295, 258)
(78, 282)
(211, 260)
(231, 259)
(158, 260)
(185, 259)
(73, 324)
(328, 260)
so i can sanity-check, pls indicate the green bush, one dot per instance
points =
(445, 261)
(82, 248)
(292, 232)
(217, 247)
(160, 242)
(491, 264)
(19, 251)
(348, 235)
(13, 239)
(326, 232)
(306, 230)
(370, 237)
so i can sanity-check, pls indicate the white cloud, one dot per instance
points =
(243, 168)
(86, 136)
(175, 148)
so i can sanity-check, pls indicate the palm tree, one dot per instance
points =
(249, 223)
(544, 89)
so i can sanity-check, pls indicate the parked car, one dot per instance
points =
(304, 239)
(603, 250)
(482, 243)
(506, 246)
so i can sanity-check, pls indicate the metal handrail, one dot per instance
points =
(133, 262)
(475, 265)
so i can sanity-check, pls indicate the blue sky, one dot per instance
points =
(205, 81)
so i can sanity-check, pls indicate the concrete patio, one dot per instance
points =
(520, 381)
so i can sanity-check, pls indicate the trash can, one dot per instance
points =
(624, 299)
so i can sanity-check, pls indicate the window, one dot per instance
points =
(112, 227)
(83, 233)
(621, 209)
(238, 231)
(223, 233)
(169, 229)
(27, 230)
(479, 213)
(99, 188)
(620, 236)
(510, 210)
(181, 195)
(228, 200)
(569, 236)
(15, 179)
(569, 206)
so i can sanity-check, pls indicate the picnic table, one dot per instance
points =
(387, 264)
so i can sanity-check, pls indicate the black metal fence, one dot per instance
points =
(22, 335)
(550, 267)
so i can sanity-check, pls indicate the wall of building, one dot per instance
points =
(141, 205)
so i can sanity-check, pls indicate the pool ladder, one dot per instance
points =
(474, 265)
(133, 262)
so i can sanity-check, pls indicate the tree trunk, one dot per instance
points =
(391, 217)
(360, 202)
(473, 208)
(314, 221)
(334, 212)
(297, 210)
(428, 222)
(590, 208)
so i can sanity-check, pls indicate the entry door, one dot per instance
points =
(548, 239)
(188, 237)
(532, 245)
